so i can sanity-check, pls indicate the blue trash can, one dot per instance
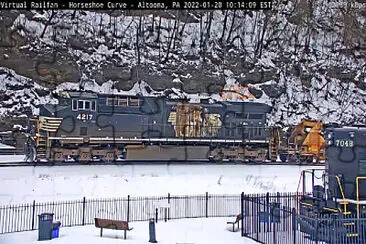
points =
(55, 233)
(55, 229)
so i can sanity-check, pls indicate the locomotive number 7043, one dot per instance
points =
(85, 116)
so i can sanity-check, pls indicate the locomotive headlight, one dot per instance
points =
(351, 134)
(330, 136)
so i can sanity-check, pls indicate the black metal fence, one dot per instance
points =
(273, 219)
(24, 217)
(266, 218)
(332, 229)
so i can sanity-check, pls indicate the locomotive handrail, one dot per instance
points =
(160, 139)
(344, 198)
(303, 181)
(340, 186)
(362, 202)
(358, 195)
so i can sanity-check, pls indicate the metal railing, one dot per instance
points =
(266, 218)
(273, 219)
(24, 217)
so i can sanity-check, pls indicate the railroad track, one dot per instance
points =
(151, 162)
(14, 164)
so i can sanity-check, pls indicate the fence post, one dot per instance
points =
(169, 206)
(274, 228)
(128, 208)
(206, 204)
(84, 203)
(33, 213)
(242, 213)
(156, 215)
(294, 224)
(336, 223)
(258, 209)
(267, 209)
(317, 231)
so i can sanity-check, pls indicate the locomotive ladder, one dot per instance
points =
(41, 142)
(45, 125)
(274, 145)
(41, 146)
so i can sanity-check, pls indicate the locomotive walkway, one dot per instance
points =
(151, 162)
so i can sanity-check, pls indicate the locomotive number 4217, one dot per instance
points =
(85, 116)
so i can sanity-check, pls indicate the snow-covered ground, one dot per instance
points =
(47, 183)
(184, 231)
(4, 146)
(11, 158)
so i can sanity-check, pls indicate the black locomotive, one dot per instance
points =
(86, 126)
(336, 210)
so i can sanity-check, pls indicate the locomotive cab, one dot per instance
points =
(346, 166)
(338, 201)
(344, 177)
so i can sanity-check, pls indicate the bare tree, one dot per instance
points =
(138, 35)
(201, 31)
(231, 27)
(205, 36)
(48, 23)
(73, 14)
(226, 13)
(158, 31)
(259, 46)
(209, 23)
(181, 32)
(100, 25)
(171, 40)
(158, 38)
(176, 35)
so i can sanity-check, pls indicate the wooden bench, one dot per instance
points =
(237, 221)
(111, 224)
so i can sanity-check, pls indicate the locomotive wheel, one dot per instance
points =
(85, 156)
(219, 158)
(294, 158)
(309, 159)
(58, 157)
(109, 157)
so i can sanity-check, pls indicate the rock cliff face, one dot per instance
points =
(305, 57)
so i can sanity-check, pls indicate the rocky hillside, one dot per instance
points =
(304, 57)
